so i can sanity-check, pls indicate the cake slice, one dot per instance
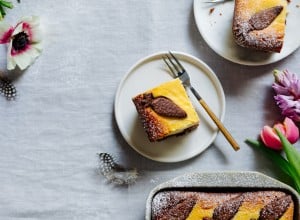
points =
(260, 24)
(166, 110)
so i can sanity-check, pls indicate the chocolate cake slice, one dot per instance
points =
(166, 110)
(260, 24)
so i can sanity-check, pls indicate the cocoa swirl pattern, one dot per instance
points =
(163, 106)
(264, 18)
(250, 32)
(179, 205)
(276, 208)
(258, 21)
(227, 210)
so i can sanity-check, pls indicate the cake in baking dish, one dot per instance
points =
(166, 110)
(260, 24)
(254, 205)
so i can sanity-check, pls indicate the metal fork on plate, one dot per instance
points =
(179, 71)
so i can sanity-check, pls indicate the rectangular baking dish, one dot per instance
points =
(229, 181)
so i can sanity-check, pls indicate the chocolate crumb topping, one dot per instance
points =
(276, 208)
(228, 209)
(264, 18)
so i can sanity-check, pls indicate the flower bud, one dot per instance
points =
(287, 128)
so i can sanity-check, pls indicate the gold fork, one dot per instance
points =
(179, 71)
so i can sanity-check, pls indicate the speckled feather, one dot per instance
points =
(7, 89)
(116, 173)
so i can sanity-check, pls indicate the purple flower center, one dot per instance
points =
(20, 41)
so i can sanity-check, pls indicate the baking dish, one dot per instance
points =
(228, 181)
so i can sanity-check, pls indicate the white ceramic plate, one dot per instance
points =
(215, 29)
(150, 72)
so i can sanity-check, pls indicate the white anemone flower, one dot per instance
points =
(24, 42)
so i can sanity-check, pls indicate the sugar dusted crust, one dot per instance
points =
(263, 205)
(154, 128)
(269, 38)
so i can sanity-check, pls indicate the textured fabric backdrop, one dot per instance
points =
(63, 115)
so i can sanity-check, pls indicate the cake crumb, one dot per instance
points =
(211, 10)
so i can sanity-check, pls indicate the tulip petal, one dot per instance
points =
(270, 138)
(280, 127)
(291, 130)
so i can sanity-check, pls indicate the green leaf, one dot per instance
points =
(6, 4)
(2, 12)
(291, 152)
(279, 160)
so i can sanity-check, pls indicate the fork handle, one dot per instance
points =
(220, 125)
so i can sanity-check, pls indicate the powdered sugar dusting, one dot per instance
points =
(178, 204)
(250, 32)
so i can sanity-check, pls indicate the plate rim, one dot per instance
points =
(208, 71)
(230, 58)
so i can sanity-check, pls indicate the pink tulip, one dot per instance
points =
(287, 128)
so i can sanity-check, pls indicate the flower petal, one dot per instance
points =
(11, 63)
(291, 130)
(25, 56)
(270, 138)
(30, 25)
(5, 32)
(25, 59)
(289, 107)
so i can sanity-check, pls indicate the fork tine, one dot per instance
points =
(174, 73)
(174, 64)
(178, 63)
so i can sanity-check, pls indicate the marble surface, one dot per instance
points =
(63, 115)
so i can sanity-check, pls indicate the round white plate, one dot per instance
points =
(151, 72)
(216, 30)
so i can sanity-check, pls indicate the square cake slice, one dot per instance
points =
(260, 24)
(166, 110)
